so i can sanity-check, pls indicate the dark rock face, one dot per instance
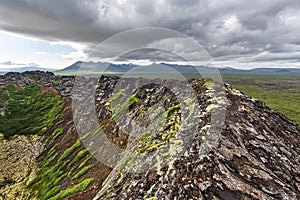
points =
(257, 157)
(252, 154)
(63, 83)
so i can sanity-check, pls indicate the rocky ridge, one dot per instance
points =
(255, 156)
(47, 79)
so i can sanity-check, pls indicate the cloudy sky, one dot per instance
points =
(238, 33)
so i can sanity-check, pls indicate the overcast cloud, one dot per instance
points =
(256, 30)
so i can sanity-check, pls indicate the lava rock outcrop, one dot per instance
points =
(218, 144)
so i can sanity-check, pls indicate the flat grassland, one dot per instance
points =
(279, 92)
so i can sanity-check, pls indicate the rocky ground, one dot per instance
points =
(17, 165)
(257, 157)
(161, 142)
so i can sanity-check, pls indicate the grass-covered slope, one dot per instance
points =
(62, 167)
(66, 169)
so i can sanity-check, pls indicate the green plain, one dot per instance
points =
(279, 92)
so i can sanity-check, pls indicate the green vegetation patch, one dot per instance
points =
(82, 172)
(70, 150)
(115, 99)
(73, 189)
(126, 105)
(55, 190)
(171, 111)
(27, 111)
(279, 92)
(79, 156)
(149, 143)
(47, 178)
(48, 182)
(283, 101)
(53, 150)
(58, 132)
(84, 162)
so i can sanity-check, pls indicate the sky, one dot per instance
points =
(235, 33)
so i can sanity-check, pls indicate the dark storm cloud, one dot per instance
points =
(228, 29)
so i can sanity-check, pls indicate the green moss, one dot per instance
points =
(148, 143)
(59, 122)
(167, 136)
(99, 128)
(82, 172)
(71, 171)
(73, 189)
(97, 131)
(153, 144)
(4, 96)
(84, 162)
(53, 150)
(58, 132)
(79, 156)
(53, 191)
(49, 159)
(85, 136)
(47, 182)
(47, 178)
(70, 150)
(58, 180)
(116, 98)
(80, 166)
(128, 161)
(146, 134)
(27, 111)
(171, 111)
(126, 105)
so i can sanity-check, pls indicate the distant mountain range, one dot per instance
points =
(163, 68)
(229, 70)
(97, 67)
(102, 67)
